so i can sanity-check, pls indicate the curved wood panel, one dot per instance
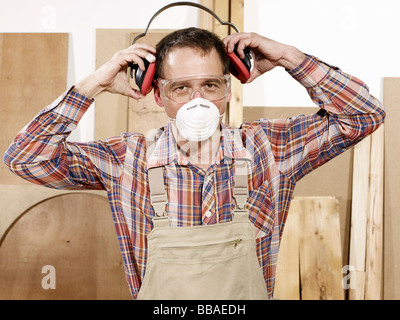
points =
(73, 233)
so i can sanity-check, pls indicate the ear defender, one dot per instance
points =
(239, 68)
(144, 79)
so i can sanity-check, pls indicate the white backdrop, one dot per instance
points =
(359, 36)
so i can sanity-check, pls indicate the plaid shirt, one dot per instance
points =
(281, 152)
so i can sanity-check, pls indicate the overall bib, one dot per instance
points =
(216, 261)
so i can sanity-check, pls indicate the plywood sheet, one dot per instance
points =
(391, 100)
(73, 233)
(33, 72)
(116, 114)
(16, 199)
(144, 114)
(111, 110)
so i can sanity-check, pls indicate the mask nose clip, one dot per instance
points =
(198, 105)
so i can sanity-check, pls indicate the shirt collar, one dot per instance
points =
(166, 150)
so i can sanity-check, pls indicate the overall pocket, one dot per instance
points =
(204, 270)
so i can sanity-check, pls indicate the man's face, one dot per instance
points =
(189, 62)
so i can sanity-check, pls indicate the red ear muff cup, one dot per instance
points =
(147, 83)
(238, 68)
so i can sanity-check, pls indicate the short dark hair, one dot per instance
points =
(195, 38)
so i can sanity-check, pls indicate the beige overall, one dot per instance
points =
(202, 262)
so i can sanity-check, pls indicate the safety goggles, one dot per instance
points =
(182, 90)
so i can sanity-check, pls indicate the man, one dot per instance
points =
(198, 171)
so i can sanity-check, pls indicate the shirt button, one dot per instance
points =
(208, 214)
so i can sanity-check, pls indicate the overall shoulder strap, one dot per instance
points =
(240, 190)
(158, 194)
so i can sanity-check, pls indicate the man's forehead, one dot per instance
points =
(188, 61)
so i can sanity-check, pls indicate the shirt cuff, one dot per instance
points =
(71, 105)
(311, 71)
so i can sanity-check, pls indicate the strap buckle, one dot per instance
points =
(159, 202)
(240, 194)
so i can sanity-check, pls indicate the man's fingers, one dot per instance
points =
(131, 93)
(135, 54)
(135, 94)
(253, 75)
(242, 40)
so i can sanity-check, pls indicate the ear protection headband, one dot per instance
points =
(240, 68)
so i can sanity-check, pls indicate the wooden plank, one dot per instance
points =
(145, 115)
(235, 110)
(333, 179)
(207, 21)
(221, 9)
(33, 72)
(359, 214)
(320, 250)
(374, 245)
(287, 279)
(237, 14)
(73, 233)
(366, 242)
(391, 100)
(227, 10)
(310, 257)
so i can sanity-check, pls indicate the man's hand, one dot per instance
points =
(112, 76)
(267, 53)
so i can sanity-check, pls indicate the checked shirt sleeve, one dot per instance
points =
(348, 114)
(41, 154)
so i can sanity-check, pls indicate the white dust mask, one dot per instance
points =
(198, 119)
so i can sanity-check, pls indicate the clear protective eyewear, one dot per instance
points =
(182, 90)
